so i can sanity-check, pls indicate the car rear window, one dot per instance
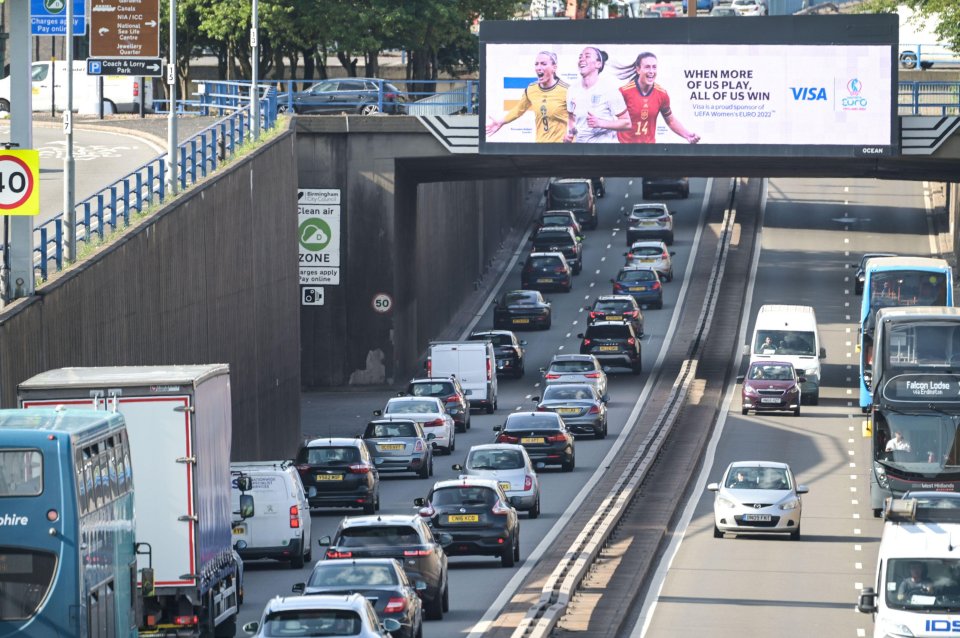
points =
(341, 573)
(464, 495)
(556, 220)
(646, 250)
(646, 213)
(495, 460)
(378, 536)
(569, 191)
(313, 622)
(329, 455)
(553, 238)
(438, 389)
(384, 430)
(410, 407)
(526, 422)
(572, 366)
(561, 393)
(613, 306)
(544, 262)
(520, 298)
(495, 339)
(608, 332)
(637, 275)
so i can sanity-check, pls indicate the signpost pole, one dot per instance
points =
(255, 83)
(172, 84)
(69, 207)
(20, 261)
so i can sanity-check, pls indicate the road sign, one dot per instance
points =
(148, 67)
(49, 17)
(19, 182)
(382, 302)
(319, 236)
(124, 28)
(311, 296)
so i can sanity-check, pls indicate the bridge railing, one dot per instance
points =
(928, 98)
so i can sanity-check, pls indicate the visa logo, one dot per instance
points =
(942, 626)
(808, 93)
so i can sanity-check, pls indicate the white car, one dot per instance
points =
(428, 412)
(653, 254)
(510, 466)
(757, 497)
(321, 615)
(749, 7)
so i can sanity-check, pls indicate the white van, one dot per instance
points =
(121, 93)
(473, 363)
(789, 333)
(917, 586)
(280, 526)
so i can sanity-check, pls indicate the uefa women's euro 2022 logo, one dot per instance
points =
(854, 101)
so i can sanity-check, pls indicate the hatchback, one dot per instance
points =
(430, 413)
(300, 616)
(382, 581)
(771, 385)
(522, 309)
(665, 9)
(613, 343)
(350, 95)
(508, 350)
(576, 368)
(646, 221)
(558, 218)
(641, 283)
(582, 409)
(545, 271)
(400, 445)
(652, 254)
(757, 497)
(511, 467)
(560, 239)
(543, 434)
(616, 308)
(477, 514)
(659, 185)
(749, 7)
(403, 537)
(450, 392)
(341, 471)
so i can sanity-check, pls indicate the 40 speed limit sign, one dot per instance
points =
(19, 182)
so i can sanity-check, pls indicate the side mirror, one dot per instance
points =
(391, 624)
(612, 280)
(457, 467)
(497, 428)
(535, 399)
(604, 399)
(823, 353)
(672, 253)
(746, 350)
(867, 601)
(670, 212)
(433, 445)
(251, 627)
(867, 379)
(401, 394)
(540, 465)
(713, 487)
(299, 588)
(378, 413)
(804, 380)
(543, 369)
(244, 483)
(246, 506)
(240, 545)
(419, 501)
(444, 538)
(802, 489)
(420, 585)
(312, 492)
(467, 393)
(324, 541)
(523, 342)
(579, 335)
(740, 378)
(431, 436)
(148, 583)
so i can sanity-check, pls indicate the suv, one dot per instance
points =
(341, 472)
(614, 342)
(617, 308)
(321, 615)
(404, 537)
(652, 253)
(507, 349)
(560, 239)
(576, 368)
(576, 195)
(546, 270)
(656, 185)
(557, 218)
(647, 221)
(450, 392)
(641, 283)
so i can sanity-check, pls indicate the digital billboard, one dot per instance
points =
(703, 91)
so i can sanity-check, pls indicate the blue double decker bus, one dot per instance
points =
(67, 550)
(894, 282)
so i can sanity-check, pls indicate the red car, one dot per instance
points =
(771, 385)
(665, 9)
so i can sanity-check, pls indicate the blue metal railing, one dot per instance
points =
(928, 98)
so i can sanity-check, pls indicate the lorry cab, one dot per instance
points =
(917, 586)
(473, 363)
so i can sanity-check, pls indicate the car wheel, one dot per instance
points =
(535, 512)
(744, 411)
(877, 512)
(659, 303)
(518, 372)
(468, 419)
(507, 556)
(908, 60)
(446, 598)
(686, 193)
(424, 471)
(669, 241)
(569, 465)
(549, 323)
(815, 399)
(796, 412)
(297, 561)
(419, 633)
(637, 367)
(516, 550)
(369, 508)
(568, 288)
(602, 432)
(369, 109)
(309, 555)
(716, 532)
(431, 466)
(646, 194)
(490, 408)
(435, 608)
(795, 534)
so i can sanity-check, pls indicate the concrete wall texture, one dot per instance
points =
(211, 277)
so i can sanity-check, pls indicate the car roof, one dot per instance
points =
(638, 267)
(388, 420)
(408, 398)
(573, 357)
(571, 180)
(569, 384)
(361, 561)
(770, 464)
(627, 298)
(648, 242)
(379, 519)
(497, 446)
(469, 481)
(319, 601)
(492, 332)
(770, 362)
(601, 324)
(431, 379)
(658, 205)
(546, 416)
(559, 211)
(546, 254)
(333, 441)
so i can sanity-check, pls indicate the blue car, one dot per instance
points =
(702, 5)
(643, 284)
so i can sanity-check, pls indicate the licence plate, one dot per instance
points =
(568, 410)
(391, 446)
(521, 321)
(533, 439)
(648, 223)
(329, 477)
(239, 530)
(647, 261)
(637, 288)
(505, 485)
(544, 281)
(463, 518)
(614, 317)
(609, 348)
(756, 517)
(769, 400)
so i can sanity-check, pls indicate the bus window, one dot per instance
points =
(21, 473)
(25, 577)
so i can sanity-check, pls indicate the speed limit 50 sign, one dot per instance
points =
(19, 182)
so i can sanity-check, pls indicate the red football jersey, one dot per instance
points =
(643, 110)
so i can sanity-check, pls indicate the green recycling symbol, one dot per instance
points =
(314, 234)
(54, 6)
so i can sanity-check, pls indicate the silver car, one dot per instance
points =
(400, 445)
(757, 497)
(511, 467)
(578, 404)
(321, 615)
(430, 413)
(576, 368)
(652, 253)
(649, 220)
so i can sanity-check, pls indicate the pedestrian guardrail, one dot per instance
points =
(928, 98)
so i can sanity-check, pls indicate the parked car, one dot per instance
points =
(649, 221)
(757, 497)
(511, 467)
(576, 368)
(545, 271)
(582, 409)
(641, 283)
(477, 514)
(679, 186)
(702, 5)
(771, 385)
(613, 343)
(749, 7)
(557, 218)
(617, 308)
(300, 616)
(665, 9)
(430, 413)
(365, 96)
(508, 349)
(342, 473)
(522, 309)
(652, 254)
(560, 239)
(382, 581)
(450, 392)
(725, 11)
(403, 537)
(400, 445)
(543, 434)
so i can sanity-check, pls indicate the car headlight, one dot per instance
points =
(792, 504)
(881, 475)
(810, 372)
(723, 501)
(894, 629)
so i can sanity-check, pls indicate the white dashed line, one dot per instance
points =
(592, 284)
(568, 334)
(856, 531)
(854, 502)
(858, 565)
(602, 259)
(608, 248)
(858, 548)
(849, 391)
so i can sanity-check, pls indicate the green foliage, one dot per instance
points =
(946, 11)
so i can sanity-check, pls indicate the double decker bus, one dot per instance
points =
(915, 415)
(893, 282)
(67, 552)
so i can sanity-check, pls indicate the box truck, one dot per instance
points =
(121, 93)
(179, 424)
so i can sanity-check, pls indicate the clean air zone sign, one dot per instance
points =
(318, 234)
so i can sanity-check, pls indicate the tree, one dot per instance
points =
(946, 11)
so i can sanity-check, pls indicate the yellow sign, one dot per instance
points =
(19, 182)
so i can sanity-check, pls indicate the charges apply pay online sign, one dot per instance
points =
(318, 230)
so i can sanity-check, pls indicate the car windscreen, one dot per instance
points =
(410, 407)
(792, 342)
(637, 275)
(378, 536)
(526, 422)
(758, 478)
(343, 574)
(495, 339)
(334, 455)
(463, 495)
(568, 393)
(495, 460)
(608, 332)
(392, 429)
(438, 389)
(572, 366)
(769, 372)
(312, 622)
(569, 191)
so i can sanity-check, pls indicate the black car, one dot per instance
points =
(543, 271)
(560, 239)
(617, 308)
(862, 270)
(400, 445)
(450, 392)
(658, 185)
(507, 349)
(522, 309)
(349, 95)
(382, 581)
(405, 538)
(599, 186)
(543, 434)
(558, 218)
(613, 342)
(342, 473)
(477, 514)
